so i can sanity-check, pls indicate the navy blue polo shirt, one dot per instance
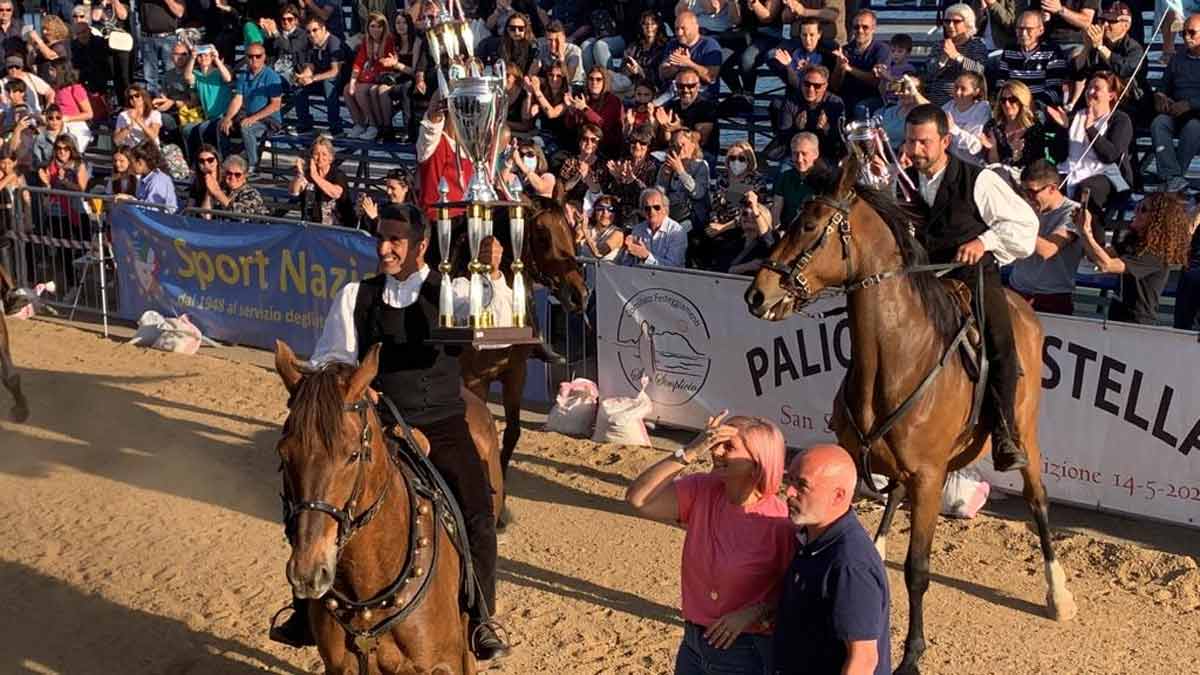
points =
(706, 52)
(836, 591)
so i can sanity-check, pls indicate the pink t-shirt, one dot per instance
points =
(733, 556)
(68, 98)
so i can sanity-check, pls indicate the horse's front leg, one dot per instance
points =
(12, 381)
(885, 523)
(925, 500)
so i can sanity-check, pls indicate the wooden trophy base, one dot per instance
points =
(483, 337)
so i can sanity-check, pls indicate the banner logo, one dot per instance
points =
(663, 336)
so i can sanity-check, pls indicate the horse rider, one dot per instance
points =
(397, 308)
(998, 228)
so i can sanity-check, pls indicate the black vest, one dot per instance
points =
(953, 217)
(422, 379)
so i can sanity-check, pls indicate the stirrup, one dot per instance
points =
(277, 634)
(498, 632)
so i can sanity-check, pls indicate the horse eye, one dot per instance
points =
(353, 457)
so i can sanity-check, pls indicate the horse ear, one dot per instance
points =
(362, 377)
(849, 177)
(285, 365)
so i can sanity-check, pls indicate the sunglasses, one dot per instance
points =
(1010, 99)
(607, 208)
(688, 85)
(6, 10)
(208, 160)
(74, 16)
(516, 29)
(528, 154)
(651, 208)
(234, 174)
(287, 19)
(595, 79)
(256, 56)
(814, 85)
(732, 157)
(62, 147)
(635, 141)
(589, 139)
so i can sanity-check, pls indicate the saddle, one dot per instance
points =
(970, 349)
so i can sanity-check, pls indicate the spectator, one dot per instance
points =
(892, 117)
(753, 243)
(959, 52)
(528, 166)
(1161, 227)
(175, 93)
(11, 181)
(604, 238)
(236, 195)
(207, 74)
(36, 88)
(547, 101)
(123, 180)
(1068, 21)
(401, 70)
(74, 104)
(738, 540)
(1015, 137)
(806, 175)
(320, 73)
(328, 13)
(364, 8)
(43, 142)
(1177, 106)
(640, 110)
(689, 49)
(154, 185)
(968, 112)
(437, 160)
(628, 177)
(514, 88)
(207, 174)
(286, 42)
(1047, 278)
(643, 54)
(826, 12)
(366, 94)
(743, 176)
(581, 173)
(398, 195)
(833, 614)
(598, 106)
(257, 98)
(554, 48)
(1038, 64)
(689, 111)
(515, 45)
(998, 20)
(750, 44)
(1099, 138)
(50, 46)
(854, 75)
(65, 169)
(90, 55)
(20, 124)
(139, 121)
(792, 65)
(818, 112)
(1187, 294)
(503, 11)
(656, 240)
(603, 41)
(1108, 46)
(112, 15)
(159, 20)
(683, 176)
(323, 189)
(11, 27)
(900, 48)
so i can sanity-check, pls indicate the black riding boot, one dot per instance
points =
(296, 631)
(1007, 453)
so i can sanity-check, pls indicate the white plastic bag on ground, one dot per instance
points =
(574, 409)
(177, 335)
(963, 495)
(621, 419)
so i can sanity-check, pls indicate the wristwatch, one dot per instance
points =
(681, 457)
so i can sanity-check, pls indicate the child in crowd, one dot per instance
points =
(899, 66)
(968, 111)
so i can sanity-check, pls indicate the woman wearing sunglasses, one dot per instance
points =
(738, 542)
(1014, 137)
(602, 237)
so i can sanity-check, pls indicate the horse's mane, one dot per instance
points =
(904, 219)
(317, 404)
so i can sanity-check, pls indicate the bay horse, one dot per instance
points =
(8, 370)
(549, 257)
(372, 551)
(902, 382)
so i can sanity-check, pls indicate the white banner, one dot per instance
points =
(1120, 418)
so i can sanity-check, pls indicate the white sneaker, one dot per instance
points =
(369, 134)
(356, 131)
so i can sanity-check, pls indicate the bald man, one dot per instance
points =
(833, 614)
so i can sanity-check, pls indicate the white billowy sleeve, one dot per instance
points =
(1012, 224)
(339, 341)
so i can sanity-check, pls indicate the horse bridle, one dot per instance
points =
(348, 523)
(793, 281)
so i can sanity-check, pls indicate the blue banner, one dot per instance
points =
(247, 283)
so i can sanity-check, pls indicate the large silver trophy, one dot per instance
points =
(477, 105)
(878, 166)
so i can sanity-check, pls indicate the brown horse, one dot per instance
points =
(902, 322)
(8, 371)
(371, 552)
(549, 258)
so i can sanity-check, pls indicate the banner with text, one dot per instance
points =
(1120, 414)
(248, 283)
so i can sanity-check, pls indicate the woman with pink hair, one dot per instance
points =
(739, 541)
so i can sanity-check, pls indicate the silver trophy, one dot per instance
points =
(867, 141)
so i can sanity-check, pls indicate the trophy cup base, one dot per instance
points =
(482, 337)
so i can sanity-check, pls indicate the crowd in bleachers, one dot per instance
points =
(633, 113)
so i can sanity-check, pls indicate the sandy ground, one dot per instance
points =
(139, 521)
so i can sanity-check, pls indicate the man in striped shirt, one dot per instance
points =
(1040, 65)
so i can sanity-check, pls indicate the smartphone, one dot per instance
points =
(577, 90)
(205, 49)
(1084, 196)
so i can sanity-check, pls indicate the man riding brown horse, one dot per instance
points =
(976, 220)
(397, 309)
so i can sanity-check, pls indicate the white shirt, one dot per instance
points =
(968, 125)
(501, 307)
(1012, 224)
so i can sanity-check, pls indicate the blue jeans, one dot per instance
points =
(156, 58)
(252, 136)
(1173, 161)
(331, 91)
(208, 131)
(749, 655)
(1187, 300)
(600, 51)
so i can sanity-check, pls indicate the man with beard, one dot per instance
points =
(978, 221)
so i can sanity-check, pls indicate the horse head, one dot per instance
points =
(331, 455)
(550, 254)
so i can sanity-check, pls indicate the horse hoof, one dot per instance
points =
(19, 413)
(1061, 606)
